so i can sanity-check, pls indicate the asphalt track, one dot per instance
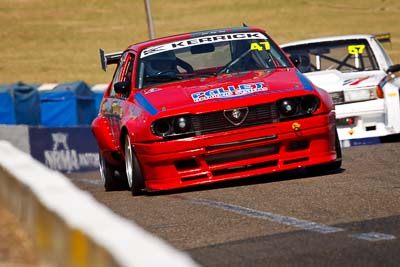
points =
(347, 218)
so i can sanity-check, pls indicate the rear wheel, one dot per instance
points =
(108, 174)
(331, 166)
(133, 172)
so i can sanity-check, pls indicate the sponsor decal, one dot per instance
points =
(151, 90)
(355, 81)
(65, 149)
(201, 40)
(62, 158)
(112, 107)
(229, 91)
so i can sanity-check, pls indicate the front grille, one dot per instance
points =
(243, 154)
(215, 122)
(265, 164)
(337, 97)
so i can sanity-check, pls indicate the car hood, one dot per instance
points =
(224, 91)
(334, 80)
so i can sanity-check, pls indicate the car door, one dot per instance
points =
(114, 102)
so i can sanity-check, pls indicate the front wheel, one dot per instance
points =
(133, 171)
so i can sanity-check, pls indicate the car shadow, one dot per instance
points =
(253, 180)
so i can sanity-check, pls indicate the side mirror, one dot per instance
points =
(393, 68)
(122, 87)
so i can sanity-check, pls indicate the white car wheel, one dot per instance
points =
(133, 171)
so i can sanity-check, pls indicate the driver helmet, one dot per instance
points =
(304, 65)
(162, 62)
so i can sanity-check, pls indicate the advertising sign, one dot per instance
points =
(71, 149)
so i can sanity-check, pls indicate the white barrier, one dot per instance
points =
(68, 226)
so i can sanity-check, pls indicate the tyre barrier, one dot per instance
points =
(68, 226)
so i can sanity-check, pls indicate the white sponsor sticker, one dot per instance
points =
(229, 91)
(201, 40)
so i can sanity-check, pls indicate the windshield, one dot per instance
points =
(208, 56)
(342, 55)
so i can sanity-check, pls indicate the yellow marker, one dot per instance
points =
(356, 49)
(260, 46)
(296, 126)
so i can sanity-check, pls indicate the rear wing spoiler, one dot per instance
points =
(383, 37)
(108, 59)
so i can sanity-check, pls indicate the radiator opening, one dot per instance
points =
(186, 164)
(198, 177)
(298, 145)
(242, 154)
(246, 168)
(295, 160)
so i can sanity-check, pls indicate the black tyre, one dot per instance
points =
(108, 174)
(133, 172)
(331, 166)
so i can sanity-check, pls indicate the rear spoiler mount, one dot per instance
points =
(383, 37)
(108, 59)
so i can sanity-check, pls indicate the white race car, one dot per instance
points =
(350, 68)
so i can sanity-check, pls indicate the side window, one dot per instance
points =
(123, 74)
(129, 69)
(117, 74)
(342, 55)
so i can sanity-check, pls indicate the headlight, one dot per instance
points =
(309, 104)
(172, 127)
(360, 95)
(298, 106)
(287, 107)
(162, 127)
(182, 124)
(337, 97)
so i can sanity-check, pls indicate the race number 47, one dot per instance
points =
(260, 46)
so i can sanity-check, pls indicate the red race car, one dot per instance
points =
(209, 106)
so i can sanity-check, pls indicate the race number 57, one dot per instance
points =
(356, 49)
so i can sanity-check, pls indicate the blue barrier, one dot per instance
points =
(51, 105)
(58, 118)
(25, 104)
(68, 104)
(58, 109)
(7, 110)
(98, 97)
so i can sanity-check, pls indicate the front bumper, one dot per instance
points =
(237, 154)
